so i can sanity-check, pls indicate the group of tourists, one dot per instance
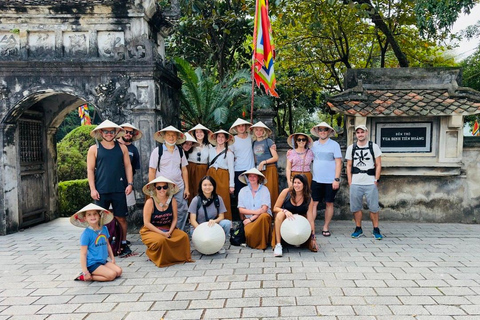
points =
(209, 177)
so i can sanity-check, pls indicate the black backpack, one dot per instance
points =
(160, 153)
(116, 234)
(237, 236)
(216, 201)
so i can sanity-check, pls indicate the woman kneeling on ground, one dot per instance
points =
(294, 200)
(166, 245)
(254, 208)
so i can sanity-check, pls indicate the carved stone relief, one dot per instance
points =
(9, 44)
(75, 44)
(111, 45)
(41, 44)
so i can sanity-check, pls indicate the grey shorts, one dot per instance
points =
(370, 192)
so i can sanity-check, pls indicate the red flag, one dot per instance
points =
(263, 49)
(475, 130)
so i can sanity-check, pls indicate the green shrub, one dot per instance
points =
(73, 195)
(72, 154)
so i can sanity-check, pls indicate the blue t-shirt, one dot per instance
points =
(324, 156)
(96, 241)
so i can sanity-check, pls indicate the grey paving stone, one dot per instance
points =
(95, 307)
(133, 306)
(207, 304)
(21, 310)
(278, 302)
(106, 315)
(261, 312)
(184, 314)
(145, 315)
(225, 313)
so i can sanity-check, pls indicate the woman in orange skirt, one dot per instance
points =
(166, 245)
(198, 158)
(254, 207)
(220, 167)
(266, 157)
(299, 158)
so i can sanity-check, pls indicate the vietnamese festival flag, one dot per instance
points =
(263, 51)
(476, 129)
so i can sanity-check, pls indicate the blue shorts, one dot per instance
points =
(118, 200)
(322, 191)
(370, 191)
(95, 266)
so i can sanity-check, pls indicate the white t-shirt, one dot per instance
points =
(242, 150)
(363, 160)
(169, 165)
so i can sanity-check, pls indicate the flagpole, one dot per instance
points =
(253, 58)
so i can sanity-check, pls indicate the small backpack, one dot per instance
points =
(237, 236)
(116, 234)
(160, 153)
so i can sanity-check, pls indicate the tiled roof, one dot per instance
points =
(406, 102)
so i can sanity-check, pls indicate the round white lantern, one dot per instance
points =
(295, 231)
(208, 240)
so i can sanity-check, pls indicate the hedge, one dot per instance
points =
(72, 196)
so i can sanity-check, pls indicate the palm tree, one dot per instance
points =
(212, 103)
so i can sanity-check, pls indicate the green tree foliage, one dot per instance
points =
(72, 154)
(471, 79)
(209, 102)
(211, 35)
(72, 196)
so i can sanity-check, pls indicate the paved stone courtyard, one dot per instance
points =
(419, 271)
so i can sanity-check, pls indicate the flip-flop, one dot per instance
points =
(326, 233)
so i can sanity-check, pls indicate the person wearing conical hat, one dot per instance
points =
(243, 156)
(168, 160)
(266, 157)
(221, 165)
(255, 209)
(299, 158)
(326, 169)
(166, 244)
(94, 246)
(188, 144)
(110, 174)
(132, 134)
(198, 158)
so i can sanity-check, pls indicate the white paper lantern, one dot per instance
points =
(295, 231)
(208, 240)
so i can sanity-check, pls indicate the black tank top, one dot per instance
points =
(301, 209)
(162, 218)
(109, 170)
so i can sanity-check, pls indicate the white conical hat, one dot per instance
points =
(96, 134)
(137, 135)
(314, 131)
(260, 124)
(78, 218)
(243, 176)
(212, 138)
(295, 231)
(293, 136)
(159, 135)
(208, 240)
(238, 122)
(199, 127)
(149, 188)
(188, 137)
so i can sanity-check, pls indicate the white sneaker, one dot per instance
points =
(278, 251)
(222, 251)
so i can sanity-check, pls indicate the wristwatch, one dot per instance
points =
(130, 184)
(337, 179)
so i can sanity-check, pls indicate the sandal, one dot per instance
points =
(312, 245)
(80, 277)
(326, 233)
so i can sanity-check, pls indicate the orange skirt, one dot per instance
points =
(271, 174)
(164, 251)
(196, 172)
(307, 174)
(222, 179)
(259, 231)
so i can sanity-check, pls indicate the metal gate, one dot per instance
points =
(33, 189)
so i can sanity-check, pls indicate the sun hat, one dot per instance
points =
(149, 188)
(260, 124)
(314, 131)
(295, 231)
(362, 126)
(96, 134)
(243, 176)
(159, 135)
(293, 136)
(189, 138)
(208, 240)
(137, 135)
(238, 122)
(212, 138)
(199, 127)
(78, 218)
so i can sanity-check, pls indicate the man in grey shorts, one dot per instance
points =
(364, 166)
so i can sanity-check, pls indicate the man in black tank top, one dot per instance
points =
(109, 173)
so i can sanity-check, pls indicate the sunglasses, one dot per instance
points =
(301, 140)
(129, 132)
(323, 129)
(109, 131)
(161, 187)
(198, 156)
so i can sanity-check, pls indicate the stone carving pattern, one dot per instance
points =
(9, 45)
(114, 100)
(111, 45)
(75, 44)
(41, 44)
